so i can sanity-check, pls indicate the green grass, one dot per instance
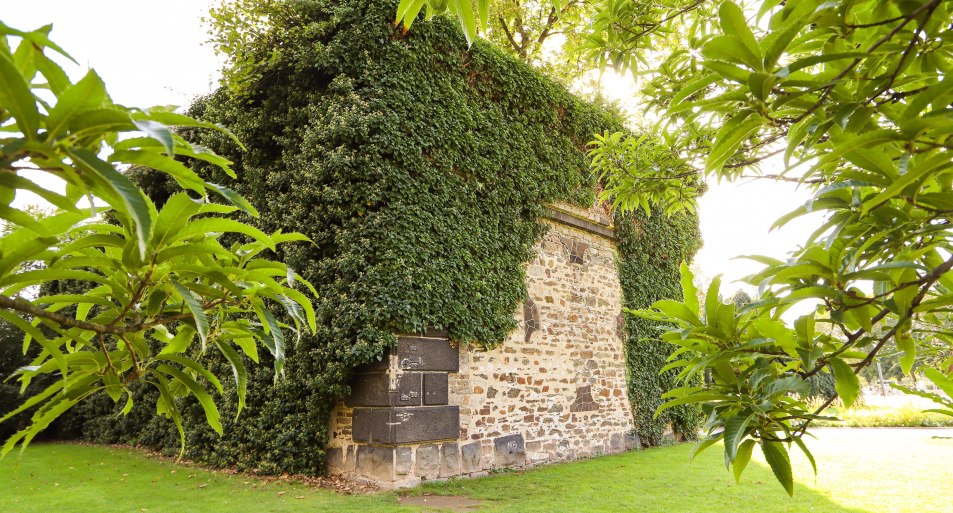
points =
(861, 470)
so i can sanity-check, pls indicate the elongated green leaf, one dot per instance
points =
(777, 457)
(15, 97)
(185, 177)
(88, 93)
(198, 314)
(845, 381)
(126, 194)
(238, 370)
(742, 457)
(208, 405)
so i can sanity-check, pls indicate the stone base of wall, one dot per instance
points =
(409, 465)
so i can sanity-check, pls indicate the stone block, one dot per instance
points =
(509, 451)
(615, 443)
(632, 441)
(449, 459)
(372, 425)
(408, 390)
(373, 389)
(335, 459)
(470, 457)
(427, 354)
(428, 461)
(436, 389)
(376, 462)
(404, 461)
(426, 423)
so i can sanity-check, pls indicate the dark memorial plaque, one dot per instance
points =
(426, 424)
(406, 425)
(436, 390)
(427, 354)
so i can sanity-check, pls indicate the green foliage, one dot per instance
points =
(644, 172)
(160, 287)
(650, 250)
(420, 169)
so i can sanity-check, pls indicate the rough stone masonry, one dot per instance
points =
(554, 390)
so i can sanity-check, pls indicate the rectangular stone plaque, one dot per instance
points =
(372, 425)
(405, 425)
(373, 390)
(427, 354)
(408, 389)
(436, 388)
(426, 424)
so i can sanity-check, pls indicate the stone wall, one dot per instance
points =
(554, 391)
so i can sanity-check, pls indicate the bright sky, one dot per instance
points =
(152, 53)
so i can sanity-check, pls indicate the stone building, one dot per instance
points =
(554, 390)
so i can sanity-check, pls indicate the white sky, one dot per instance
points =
(152, 53)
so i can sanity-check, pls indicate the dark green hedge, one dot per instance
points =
(419, 169)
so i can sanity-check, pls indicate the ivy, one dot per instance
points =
(420, 169)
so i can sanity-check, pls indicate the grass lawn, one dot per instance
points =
(861, 470)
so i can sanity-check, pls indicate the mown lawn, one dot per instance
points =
(862, 470)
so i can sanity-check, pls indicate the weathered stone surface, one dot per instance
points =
(427, 354)
(335, 458)
(376, 462)
(436, 388)
(373, 425)
(615, 443)
(404, 461)
(449, 459)
(408, 389)
(509, 451)
(530, 319)
(632, 441)
(426, 423)
(584, 400)
(470, 457)
(428, 461)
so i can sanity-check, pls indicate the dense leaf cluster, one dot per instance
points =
(419, 168)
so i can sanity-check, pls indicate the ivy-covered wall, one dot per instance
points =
(650, 252)
(419, 169)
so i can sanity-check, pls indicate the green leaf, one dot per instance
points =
(125, 194)
(195, 307)
(807, 453)
(729, 138)
(777, 457)
(238, 369)
(908, 348)
(742, 458)
(940, 380)
(234, 198)
(845, 381)
(208, 405)
(733, 23)
(689, 291)
(735, 432)
(16, 97)
(157, 131)
(87, 94)
(166, 406)
(185, 177)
